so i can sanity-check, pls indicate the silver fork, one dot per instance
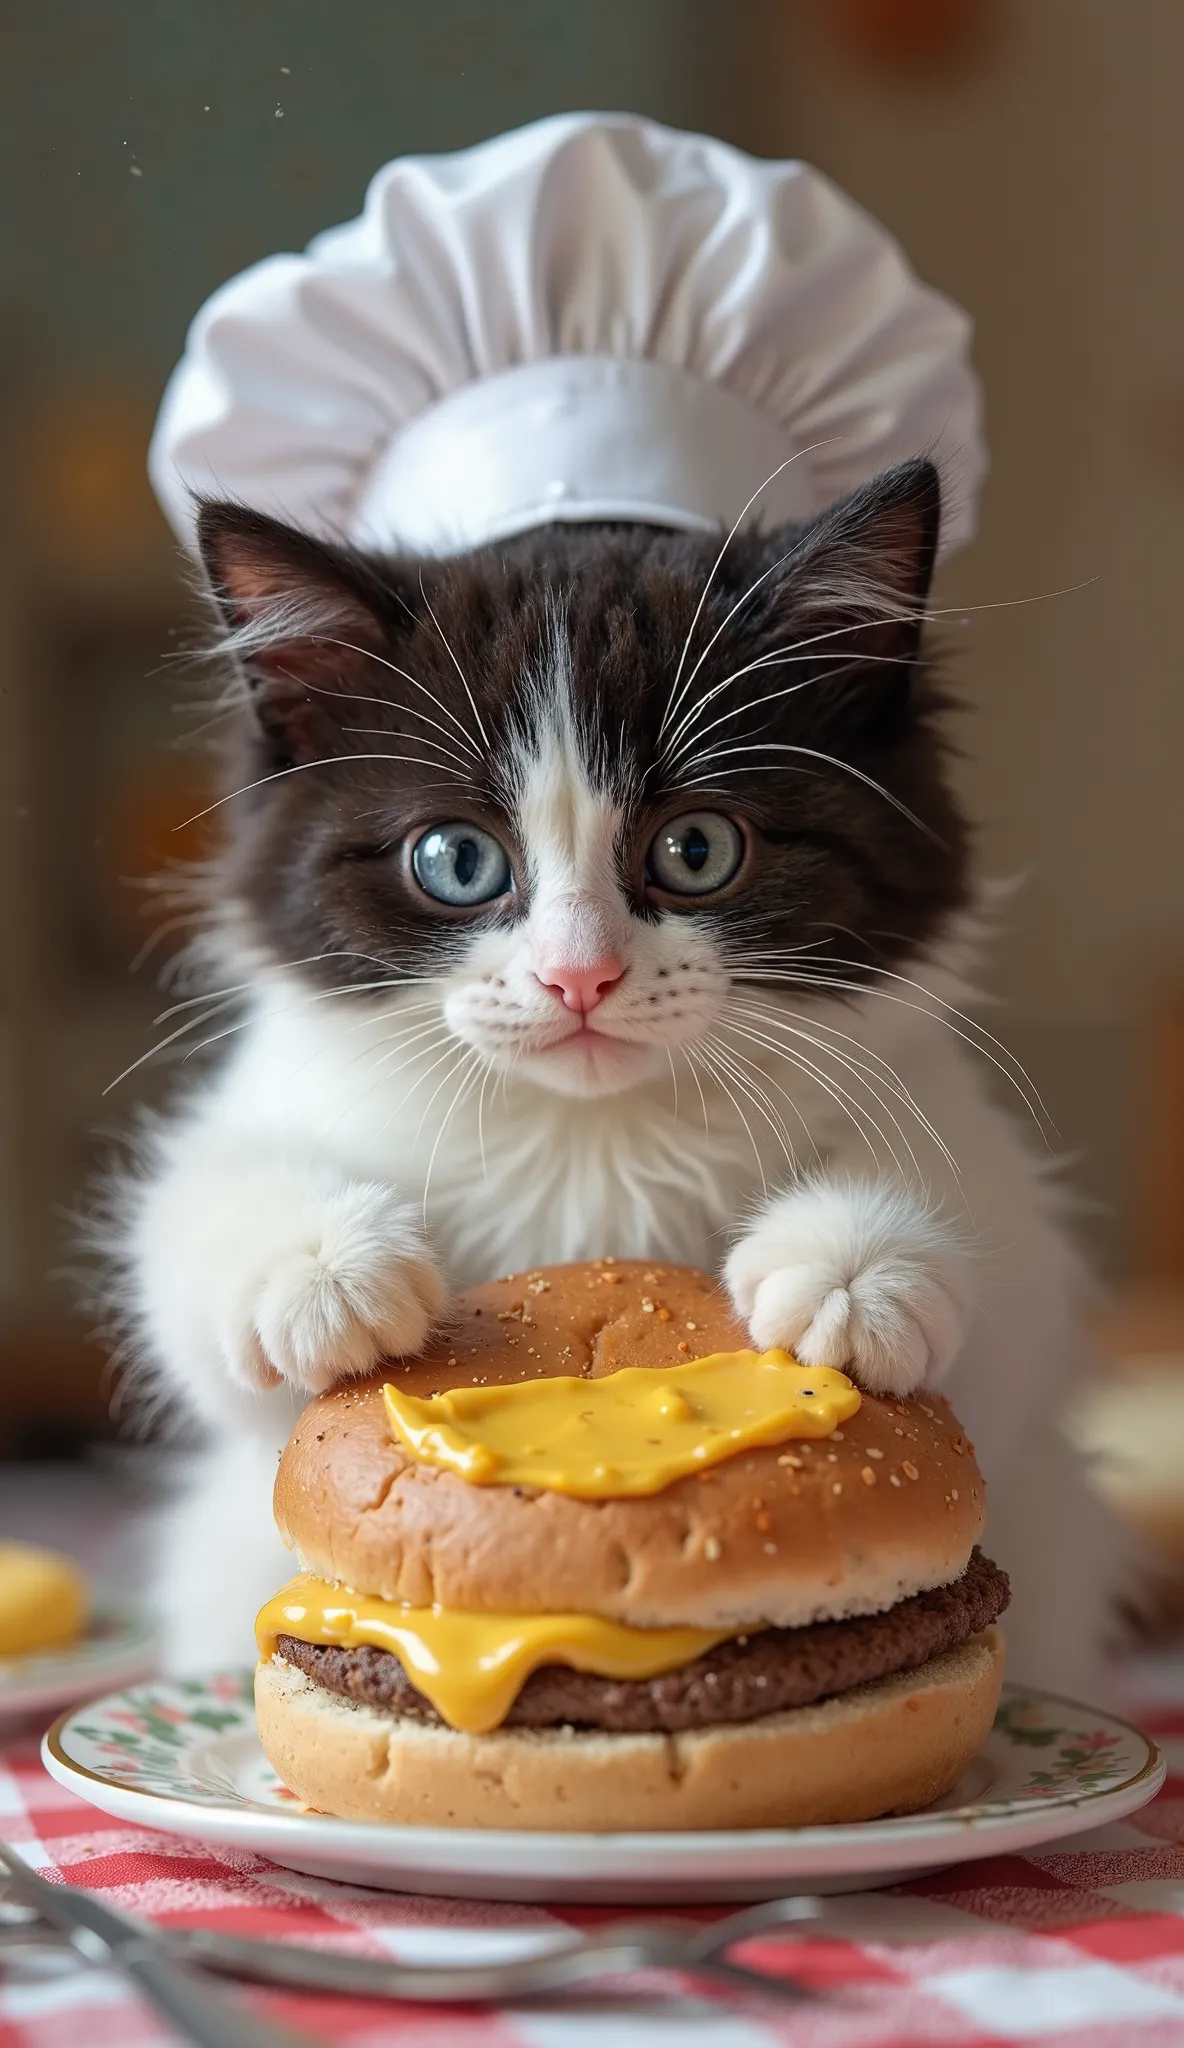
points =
(615, 1950)
(201, 2014)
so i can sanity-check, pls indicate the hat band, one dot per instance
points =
(579, 438)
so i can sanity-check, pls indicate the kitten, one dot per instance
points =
(598, 892)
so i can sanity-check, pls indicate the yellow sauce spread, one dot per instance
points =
(43, 1600)
(632, 1432)
(473, 1666)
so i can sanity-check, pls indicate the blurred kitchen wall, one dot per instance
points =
(1028, 153)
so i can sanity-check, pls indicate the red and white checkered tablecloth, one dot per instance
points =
(1079, 1947)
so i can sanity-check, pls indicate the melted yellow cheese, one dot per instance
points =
(632, 1432)
(473, 1666)
(43, 1600)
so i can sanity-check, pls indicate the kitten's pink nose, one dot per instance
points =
(581, 988)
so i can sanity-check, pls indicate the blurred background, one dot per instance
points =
(1029, 156)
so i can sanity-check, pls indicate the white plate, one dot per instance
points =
(119, 1646)
(184, 1756)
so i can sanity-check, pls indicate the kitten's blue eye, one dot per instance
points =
(462, 865)
(695, 855)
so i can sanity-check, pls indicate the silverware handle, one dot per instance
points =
(613, 1952)
(202, 2015)
(769, 1916)
(308, 1969)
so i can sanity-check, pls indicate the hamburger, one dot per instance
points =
(684, 1599)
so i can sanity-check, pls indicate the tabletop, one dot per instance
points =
(1079, 1947)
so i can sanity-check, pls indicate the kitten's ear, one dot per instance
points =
(300, 623)
(859, 583)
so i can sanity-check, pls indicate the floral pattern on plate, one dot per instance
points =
(183, 1755)
(1080, 1759)
(157, 1737)
(146, 1737)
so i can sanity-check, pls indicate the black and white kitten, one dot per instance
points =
(598, 892)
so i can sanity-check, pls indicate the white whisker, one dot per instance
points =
(447, 746)
(794, 651)
(699, 1085)
(289, 966)
(328, 761)
(782, 1091)
(777, 658)
(823, 674)
(451, 652)
(676, 695)
(810, 753)
(674, 1080)
(192, 1023)
(468, 1075)
(388, 1037)
(507, 1074)
(918, 616)
(373, 1017)
(284, 1009)
(379, 1072)
(752, 957)
(488, 1069)
(878, 1069)
(461, 729)
(844, 1101)
(809, 980)
(400, 1041)
(162, 930)
(231, 1029)
(1018, 1073)
(702, 1054)
(742, 1069)
(817, 1073)
(950, 1009)
(741, 601)
(462, 1056)
(450, 1042)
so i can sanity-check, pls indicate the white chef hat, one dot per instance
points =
(594, 317)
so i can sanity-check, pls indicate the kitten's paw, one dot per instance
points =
(357, 1284)
(863, 1278)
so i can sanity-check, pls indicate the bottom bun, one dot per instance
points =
(889, 1747)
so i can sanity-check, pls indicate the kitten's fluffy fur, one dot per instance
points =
(776, 1078)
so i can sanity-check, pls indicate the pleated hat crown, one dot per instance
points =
(592, 318)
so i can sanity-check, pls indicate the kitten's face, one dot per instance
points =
(600, 953)
(583, 785)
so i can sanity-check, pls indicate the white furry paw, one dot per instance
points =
(255, 1269)
(355, 1285)
(862, 1277)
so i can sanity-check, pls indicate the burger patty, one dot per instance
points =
(739, 1680)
